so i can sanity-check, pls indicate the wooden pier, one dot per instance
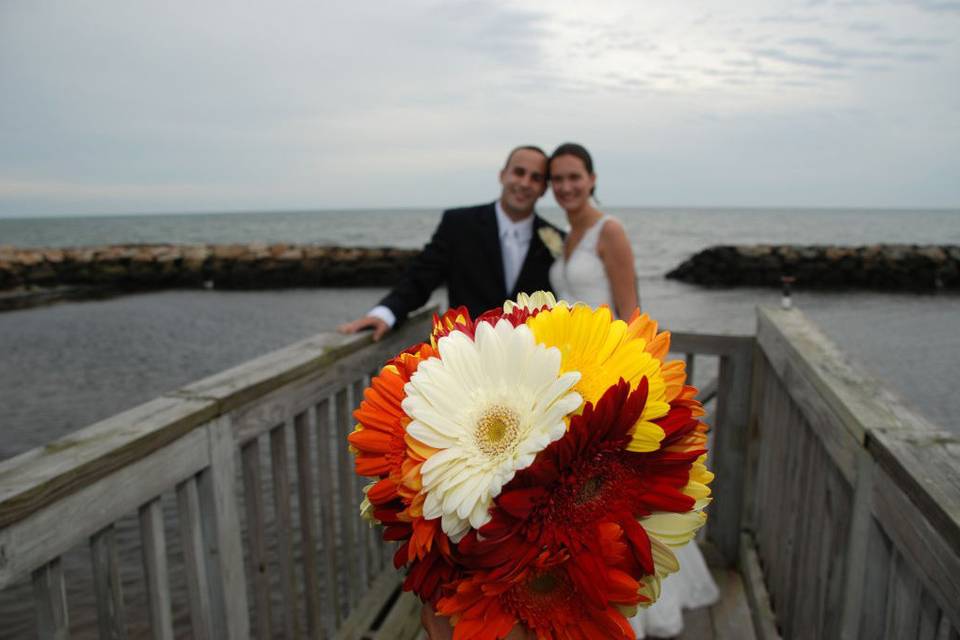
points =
(228, 508)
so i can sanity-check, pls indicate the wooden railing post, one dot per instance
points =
(50, 592)
(856, 556)
(729, 450)
(105, 559)
(221, 531)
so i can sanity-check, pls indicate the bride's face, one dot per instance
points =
(571, 182)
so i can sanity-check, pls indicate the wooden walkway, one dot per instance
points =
(836, 509)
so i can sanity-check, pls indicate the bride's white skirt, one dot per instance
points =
(691, 587)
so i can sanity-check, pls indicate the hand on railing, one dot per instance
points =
(438, 627)
(378, 326)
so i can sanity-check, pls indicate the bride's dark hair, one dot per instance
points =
(577, 151)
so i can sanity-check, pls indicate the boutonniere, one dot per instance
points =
(552, 240)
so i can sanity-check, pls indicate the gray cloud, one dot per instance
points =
(118, 106)
(937, 6)
(780, 55)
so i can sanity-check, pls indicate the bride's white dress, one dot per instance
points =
(583, 278)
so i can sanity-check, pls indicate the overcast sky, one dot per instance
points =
(113, 106)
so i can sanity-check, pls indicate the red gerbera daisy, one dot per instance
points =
(558, 596)
(585, 481)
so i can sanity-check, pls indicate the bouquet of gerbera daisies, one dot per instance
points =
(536, 464)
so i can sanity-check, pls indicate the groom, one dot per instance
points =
(484, 254)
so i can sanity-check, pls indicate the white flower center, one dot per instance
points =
(497, 430)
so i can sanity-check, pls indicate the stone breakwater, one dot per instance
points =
(878, 267)
(234, 266)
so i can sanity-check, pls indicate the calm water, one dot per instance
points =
(68, 365)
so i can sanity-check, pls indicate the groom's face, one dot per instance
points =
(524, 180)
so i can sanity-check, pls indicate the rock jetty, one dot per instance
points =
(892, 267)
(235, 266)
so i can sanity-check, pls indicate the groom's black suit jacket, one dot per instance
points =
(464, 253)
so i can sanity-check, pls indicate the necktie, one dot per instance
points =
(511, 259)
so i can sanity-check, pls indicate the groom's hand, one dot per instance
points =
(365, 323)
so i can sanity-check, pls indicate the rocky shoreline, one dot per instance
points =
(30, 276)
(891, 267)
(35, 276)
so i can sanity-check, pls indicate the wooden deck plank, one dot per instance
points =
(403, 621)
(731, 615)
(758, 599)
(697, 625)
(369, 607)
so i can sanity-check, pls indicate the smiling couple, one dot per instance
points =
(489, 253)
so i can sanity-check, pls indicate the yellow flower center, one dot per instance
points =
(497, 430)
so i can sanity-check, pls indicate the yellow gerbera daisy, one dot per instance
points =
(604, 351)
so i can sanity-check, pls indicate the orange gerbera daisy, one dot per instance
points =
(385, 451)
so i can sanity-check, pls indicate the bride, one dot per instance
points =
(596, 267)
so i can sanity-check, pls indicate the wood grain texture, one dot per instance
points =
(922, 462)
(857, 548)
(308, 538)
(403, 620)
(731, 615)
(256, 535)
(708, 344)
(919, 544)
(153, 539)
(39, 477)
(369, 606)
(284, 529)
(250, 382)
(348, 505)
(729, 452)
(194, 558)
(327, 488)
(33, 541)
(50, 595)
(111, 612)
(758, 600)
(225, 568)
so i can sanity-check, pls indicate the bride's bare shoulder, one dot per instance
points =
(613, 232)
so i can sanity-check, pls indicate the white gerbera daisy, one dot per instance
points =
(490, 405)
(532, 302)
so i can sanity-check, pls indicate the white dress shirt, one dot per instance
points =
(514, 244)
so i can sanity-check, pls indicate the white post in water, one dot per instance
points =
(785, 301)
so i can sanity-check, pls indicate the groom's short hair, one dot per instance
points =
(524, 147)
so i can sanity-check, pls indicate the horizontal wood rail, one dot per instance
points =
(853, 499)
(255, 463)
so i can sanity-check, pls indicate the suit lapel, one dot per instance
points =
(490, 241)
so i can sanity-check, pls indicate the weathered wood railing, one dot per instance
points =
(729, 419)
(836, 503)
(207, 443)
(853, 501)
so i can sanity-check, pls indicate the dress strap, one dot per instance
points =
(592, 236)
